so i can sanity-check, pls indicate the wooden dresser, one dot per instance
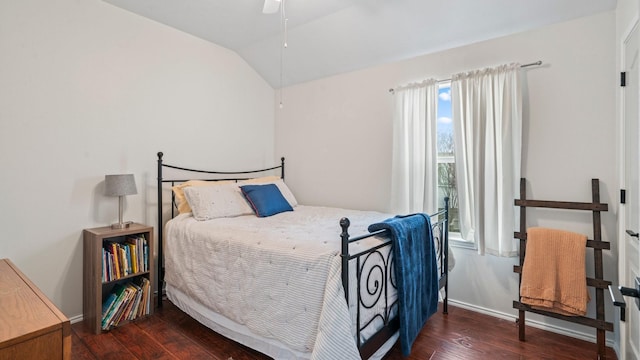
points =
(31, 327)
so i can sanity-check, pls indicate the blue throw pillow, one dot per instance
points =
(266, 200)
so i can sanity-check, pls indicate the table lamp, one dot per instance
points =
(120, 185)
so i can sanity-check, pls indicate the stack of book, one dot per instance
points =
(126, 302)
(121, 259)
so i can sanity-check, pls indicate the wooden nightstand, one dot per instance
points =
(109, 257)
(31, 327)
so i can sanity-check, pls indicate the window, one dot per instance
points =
(424, 139)
(446, 159)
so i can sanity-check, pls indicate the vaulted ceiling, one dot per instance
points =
(328, 37)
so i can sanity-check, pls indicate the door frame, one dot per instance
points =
(622, 261)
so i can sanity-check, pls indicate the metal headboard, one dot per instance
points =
(225, 175)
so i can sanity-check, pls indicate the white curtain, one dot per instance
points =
(414, 177)
(487, 125)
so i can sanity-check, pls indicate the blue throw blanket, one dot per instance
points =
(416, 273)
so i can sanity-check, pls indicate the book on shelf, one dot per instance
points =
(126, 306)
(119, 292)
(137, 246)
(124, 266)
(133, 312)
(116, 256)
(144, 307)
(127, 301)
(133, 257)
(145, 256)
(117, 316)
(104, 266)
(107, 305)
(124, 258)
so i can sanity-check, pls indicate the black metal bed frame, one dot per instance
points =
(375, 289)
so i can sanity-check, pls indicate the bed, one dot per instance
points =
(295, 285)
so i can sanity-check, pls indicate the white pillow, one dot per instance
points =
(284, 189)
(211, 202)
(178, 190)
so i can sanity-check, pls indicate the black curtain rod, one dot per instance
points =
(537, 63)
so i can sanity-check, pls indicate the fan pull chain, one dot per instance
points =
(285, 32)
(283, 23)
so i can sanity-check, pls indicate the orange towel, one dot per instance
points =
(554, 275)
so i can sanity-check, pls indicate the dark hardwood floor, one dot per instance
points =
(462, 334)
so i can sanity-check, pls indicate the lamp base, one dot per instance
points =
(123, 225)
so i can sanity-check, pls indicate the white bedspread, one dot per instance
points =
(284, 284)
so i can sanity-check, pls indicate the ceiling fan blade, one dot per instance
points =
(271, 6)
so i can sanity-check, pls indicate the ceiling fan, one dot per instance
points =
(271, 6)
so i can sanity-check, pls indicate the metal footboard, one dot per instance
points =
(376, 279)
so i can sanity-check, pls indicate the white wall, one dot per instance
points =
(336, 135)
(88, 89)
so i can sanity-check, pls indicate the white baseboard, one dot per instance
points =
(76, 319)
(533, 323)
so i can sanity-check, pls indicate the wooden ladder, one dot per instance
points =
(597, 244)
